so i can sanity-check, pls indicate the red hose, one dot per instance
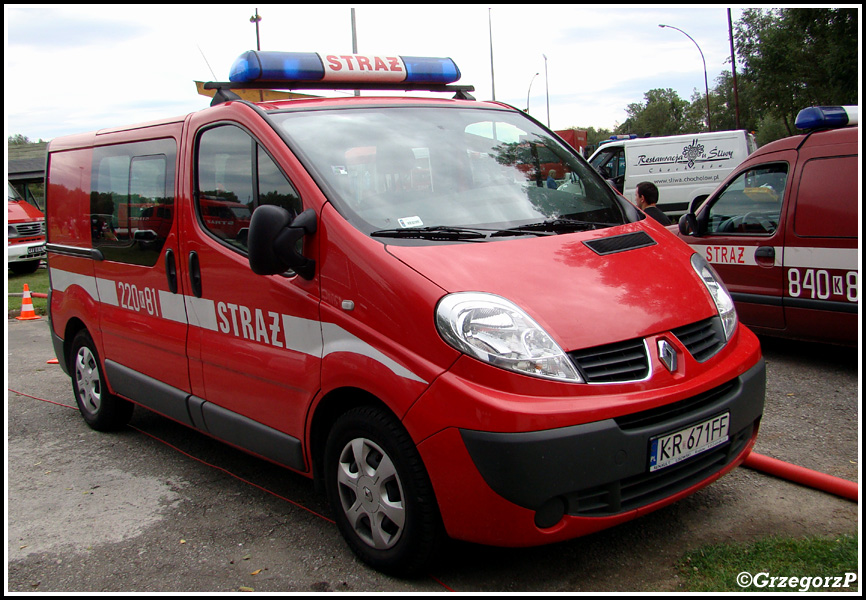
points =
(828, 483)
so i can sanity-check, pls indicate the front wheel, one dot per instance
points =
(380, 492)
(101, 409)
(24, 268)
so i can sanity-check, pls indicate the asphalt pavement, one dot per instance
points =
(158, 507)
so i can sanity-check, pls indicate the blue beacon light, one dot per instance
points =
(826, 117)
(255, 66)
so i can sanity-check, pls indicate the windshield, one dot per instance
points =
(393, 169)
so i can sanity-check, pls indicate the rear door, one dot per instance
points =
(744, 241)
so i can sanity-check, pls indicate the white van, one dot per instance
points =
(683, 167)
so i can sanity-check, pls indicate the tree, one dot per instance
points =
(798, 57)
(594, 136)
(724, 105)
(18, 139)
(663, 112)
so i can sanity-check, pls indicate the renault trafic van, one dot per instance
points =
(685, 168)
(380, 293)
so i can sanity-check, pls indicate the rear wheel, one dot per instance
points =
(380, 493)
(101, 409)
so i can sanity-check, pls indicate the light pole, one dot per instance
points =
(255, 19)
(706, 85)
(546, 90)
(529, 90)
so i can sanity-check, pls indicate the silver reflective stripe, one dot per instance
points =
(338, 339)
(301, 335)
(107, 291)
(63, 280)
(172, 306)
(201, 312)
(821, 258)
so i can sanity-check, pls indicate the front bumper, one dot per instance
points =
(602, 468)
(529, 488)
(22, 252)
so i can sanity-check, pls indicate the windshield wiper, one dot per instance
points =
(439, 233)
(557, 226)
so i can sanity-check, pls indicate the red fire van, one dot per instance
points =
(782, 231)
(25, 245)
(409, 316)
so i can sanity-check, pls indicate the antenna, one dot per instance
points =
(206, 62)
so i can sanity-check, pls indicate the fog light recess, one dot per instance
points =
(550, 513)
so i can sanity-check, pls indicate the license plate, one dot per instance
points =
(669, 449)
(33, 250)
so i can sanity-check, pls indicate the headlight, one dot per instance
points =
(494, 330)
(720, 295)
(12, 231)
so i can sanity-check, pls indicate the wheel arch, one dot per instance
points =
(334, 404)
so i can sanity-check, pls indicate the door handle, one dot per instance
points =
(194, 274)
(765, 256)
(171, 271)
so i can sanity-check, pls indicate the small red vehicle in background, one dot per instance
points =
(25, 246)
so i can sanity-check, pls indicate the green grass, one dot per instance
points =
(819, 564)
(37, 282)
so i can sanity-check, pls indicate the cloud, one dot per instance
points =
(54, 28)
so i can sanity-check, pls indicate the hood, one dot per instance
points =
(19, 211)
(580, 297)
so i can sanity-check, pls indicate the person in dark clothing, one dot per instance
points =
(646, 195)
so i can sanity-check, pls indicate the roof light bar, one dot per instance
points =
(257, 66)
(827, 117)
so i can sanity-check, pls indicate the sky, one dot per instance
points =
(79, 68)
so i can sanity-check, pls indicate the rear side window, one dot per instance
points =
(827, 198)
(235, 175)
(132, 200)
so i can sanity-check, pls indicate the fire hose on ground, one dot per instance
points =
(808, 477)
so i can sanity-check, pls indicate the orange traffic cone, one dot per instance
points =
(27, 312)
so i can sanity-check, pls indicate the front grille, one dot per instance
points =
(29, 229)
(613, 363)
(702, 339)
(633, 492)
(661, 414)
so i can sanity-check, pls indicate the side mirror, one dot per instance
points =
(273, 241)
(696, 204)
(688, 224)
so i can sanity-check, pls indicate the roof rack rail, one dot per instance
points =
(224, 93)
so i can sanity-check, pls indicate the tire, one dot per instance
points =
(380, 493)
(24, 268)
(101, 410)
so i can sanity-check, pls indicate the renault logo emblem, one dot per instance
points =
(668, 355)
